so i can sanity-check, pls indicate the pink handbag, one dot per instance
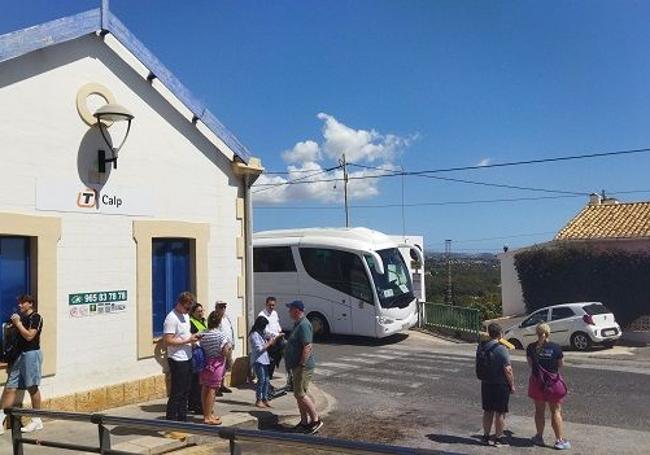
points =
(553, 385)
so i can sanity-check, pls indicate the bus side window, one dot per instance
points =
(273, 259)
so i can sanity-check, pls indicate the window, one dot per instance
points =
(339, 270)
(561, 313)
(14, 273)
(595, 309)
(535, 318)
(273, 259)
(170, 272)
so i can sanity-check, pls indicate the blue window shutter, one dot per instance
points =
(170, 269)
(15, 271)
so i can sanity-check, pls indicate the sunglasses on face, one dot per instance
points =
(221, 305)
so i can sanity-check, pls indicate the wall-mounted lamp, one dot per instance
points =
(105, 116)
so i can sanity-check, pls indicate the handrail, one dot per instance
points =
(234, 435)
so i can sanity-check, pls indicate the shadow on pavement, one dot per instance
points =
(159, 408)
(339, 340)
(475, 440)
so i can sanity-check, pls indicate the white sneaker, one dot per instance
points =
(34, 425)
(3, 417)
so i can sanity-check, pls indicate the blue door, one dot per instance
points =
(14, 273)
(170, 272)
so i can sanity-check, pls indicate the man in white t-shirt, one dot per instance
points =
(178, 339)
(273, 329)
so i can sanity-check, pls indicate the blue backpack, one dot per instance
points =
(198, 359)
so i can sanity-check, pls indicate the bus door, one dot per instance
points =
(325, 288)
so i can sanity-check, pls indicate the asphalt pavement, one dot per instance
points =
(416, 390)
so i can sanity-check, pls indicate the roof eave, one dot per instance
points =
(21, 42)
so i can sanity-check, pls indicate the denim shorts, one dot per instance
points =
(25, 372)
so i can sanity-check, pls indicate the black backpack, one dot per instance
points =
(484, 363)
(10, 337)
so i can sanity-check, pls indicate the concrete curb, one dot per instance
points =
(155, 445)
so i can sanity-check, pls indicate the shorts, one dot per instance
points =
(536, 390)
(301, 380)
(212, 375)
(495, 397)
(25, 372)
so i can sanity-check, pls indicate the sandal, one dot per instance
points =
(214, 420)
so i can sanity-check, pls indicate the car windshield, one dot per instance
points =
(394, 287)
(595, 309)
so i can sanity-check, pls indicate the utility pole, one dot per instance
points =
(448, 294)
(344, 165)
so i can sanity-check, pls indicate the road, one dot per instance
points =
(418, 391)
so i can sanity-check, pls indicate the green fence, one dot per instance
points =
(467, 321)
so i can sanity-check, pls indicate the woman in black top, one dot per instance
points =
(545, 355)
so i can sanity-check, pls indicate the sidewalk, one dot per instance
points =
(234, 408)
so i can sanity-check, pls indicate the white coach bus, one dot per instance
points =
(352, 281)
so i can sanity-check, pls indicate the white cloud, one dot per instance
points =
(301, 152)
(358, 145)
(484, 162)
(307, 161)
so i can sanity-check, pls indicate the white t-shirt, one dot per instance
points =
(179, 326)
(226, 328)
(273, 329)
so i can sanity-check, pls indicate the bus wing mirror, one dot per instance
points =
(379, 263)
(414, 249)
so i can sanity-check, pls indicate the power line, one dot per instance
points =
(476, 167)
(269, 186)
(415, 204)
(505, 237)
(496, 185)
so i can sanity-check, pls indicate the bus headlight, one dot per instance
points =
(383, 320)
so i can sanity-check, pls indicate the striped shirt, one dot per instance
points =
(213, 342)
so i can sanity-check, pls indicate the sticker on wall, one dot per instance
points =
(87, 304)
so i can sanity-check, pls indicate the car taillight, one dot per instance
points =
(588, 319)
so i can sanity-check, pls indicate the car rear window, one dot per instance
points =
(595, 309)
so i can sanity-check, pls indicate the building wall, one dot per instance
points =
(512, 299)
(171, 171)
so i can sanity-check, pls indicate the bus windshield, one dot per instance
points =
(394, 287)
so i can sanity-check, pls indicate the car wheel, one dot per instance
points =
(516, 343)
(580, 341)
(319, 324)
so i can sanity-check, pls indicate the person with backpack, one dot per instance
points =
(494, 370)
(546, 385)
(24, 371)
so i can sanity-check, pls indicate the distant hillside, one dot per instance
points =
(475, 281)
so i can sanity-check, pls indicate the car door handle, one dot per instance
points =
(344, 315)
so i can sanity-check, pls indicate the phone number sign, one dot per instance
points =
(97, 297)
(97, 303)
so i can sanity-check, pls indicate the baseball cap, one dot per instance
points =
(296, 304)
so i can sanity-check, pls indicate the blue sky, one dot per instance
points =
(418, 84)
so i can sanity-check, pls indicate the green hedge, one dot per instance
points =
(560, 274)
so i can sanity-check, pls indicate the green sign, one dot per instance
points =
(97, 297)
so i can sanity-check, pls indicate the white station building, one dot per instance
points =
(105, 246)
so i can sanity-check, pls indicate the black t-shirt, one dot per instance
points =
(31, 321)
(548, 357)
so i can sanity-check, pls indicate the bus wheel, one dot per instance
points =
(320, 325)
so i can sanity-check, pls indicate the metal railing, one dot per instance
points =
(461, 319)
(235, 436)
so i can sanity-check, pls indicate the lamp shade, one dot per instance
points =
(113, 113)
